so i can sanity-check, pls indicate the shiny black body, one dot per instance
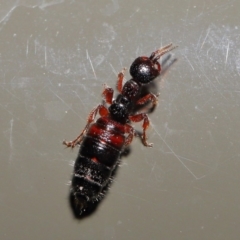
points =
(96, 161)
(102, 142)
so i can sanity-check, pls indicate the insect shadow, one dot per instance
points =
(151, 87)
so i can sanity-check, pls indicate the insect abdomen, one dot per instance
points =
(97, 158)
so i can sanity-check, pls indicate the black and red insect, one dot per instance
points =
(102, 141)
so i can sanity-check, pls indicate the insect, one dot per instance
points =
(102, 141)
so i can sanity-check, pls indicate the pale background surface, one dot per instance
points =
(54, 58)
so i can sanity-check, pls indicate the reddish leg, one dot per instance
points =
(102, 110)
(120, 80)
(137, 118)
(149, 97)
(131, 133)
(108, 94)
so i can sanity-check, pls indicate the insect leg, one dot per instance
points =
(102, 110)
(149, 97)
(142, 117)
(131, 133)
(108, 94)
(120, 80)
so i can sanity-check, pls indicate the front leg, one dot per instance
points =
(142, 117)
(108, 94)
(102, 110)
(149, 97)
(120, 80)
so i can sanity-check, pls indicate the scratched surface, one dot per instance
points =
(55, 57)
